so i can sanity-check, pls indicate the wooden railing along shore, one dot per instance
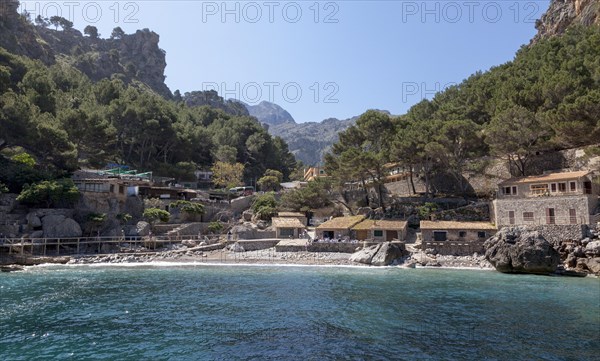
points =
(89, 245)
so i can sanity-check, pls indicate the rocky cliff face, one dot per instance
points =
(134, 57)
(310, 141)
(19, 37)
(211, 98)
(563, 13)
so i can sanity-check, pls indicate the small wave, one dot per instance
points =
(167, 264)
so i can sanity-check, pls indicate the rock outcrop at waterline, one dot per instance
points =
(518, 250)
(382, 254)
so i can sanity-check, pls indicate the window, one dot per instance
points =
(462, 234)
(527, 216)
(511, 217)
(573, 186)
(378, 233)
(121, 189)
(510, 190)
(553, 187)
(572, 216)
(587, 187)
(562, 187)
(481, 234)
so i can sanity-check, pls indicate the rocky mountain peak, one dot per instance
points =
(561, 14)
(270, 113)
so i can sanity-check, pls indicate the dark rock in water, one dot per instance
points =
(382, 254)
(517, 250)
(11, 268)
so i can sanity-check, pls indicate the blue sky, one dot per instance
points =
(319, 59)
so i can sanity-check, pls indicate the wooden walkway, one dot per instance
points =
(87, 245)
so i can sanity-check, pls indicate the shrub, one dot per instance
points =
(124, 217)
(265, 206)
(189, 207)
(215, 227)
(60, 192)
(156, 214)
(426, 209)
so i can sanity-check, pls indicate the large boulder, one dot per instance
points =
(365, 255)
(142, 228)
(589, 264)
(592, 249)
(518, 250)
(190, 243)
(382, 254)
(236, 247)
(59, 226)
(388, 252)
(593, 264)
(33, 220)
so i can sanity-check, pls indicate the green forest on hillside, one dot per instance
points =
(547, 98)
(65, 121)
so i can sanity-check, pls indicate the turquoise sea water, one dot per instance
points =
(295, 313)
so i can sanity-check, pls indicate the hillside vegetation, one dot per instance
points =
(547, 98)
(58, 115)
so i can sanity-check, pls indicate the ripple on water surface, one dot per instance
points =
(314, 313)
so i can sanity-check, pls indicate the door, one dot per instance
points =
(361, 235)
(286, 232)
(389, 235)
(572, 216)
(550, 216)
(328, 234)
(439, 236)
(511, 217)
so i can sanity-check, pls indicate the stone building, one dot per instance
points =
(567, 198)
(288, 227)
(298, 215)
(338, 227)
(380, 230)
(456, 238)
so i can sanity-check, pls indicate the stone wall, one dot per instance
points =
(538, 206)
(557, 233)
(453, 235)
(235, 208)
(256, 234)
(337, 247)
(192, 229)
(454, 248)
(255, 245)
